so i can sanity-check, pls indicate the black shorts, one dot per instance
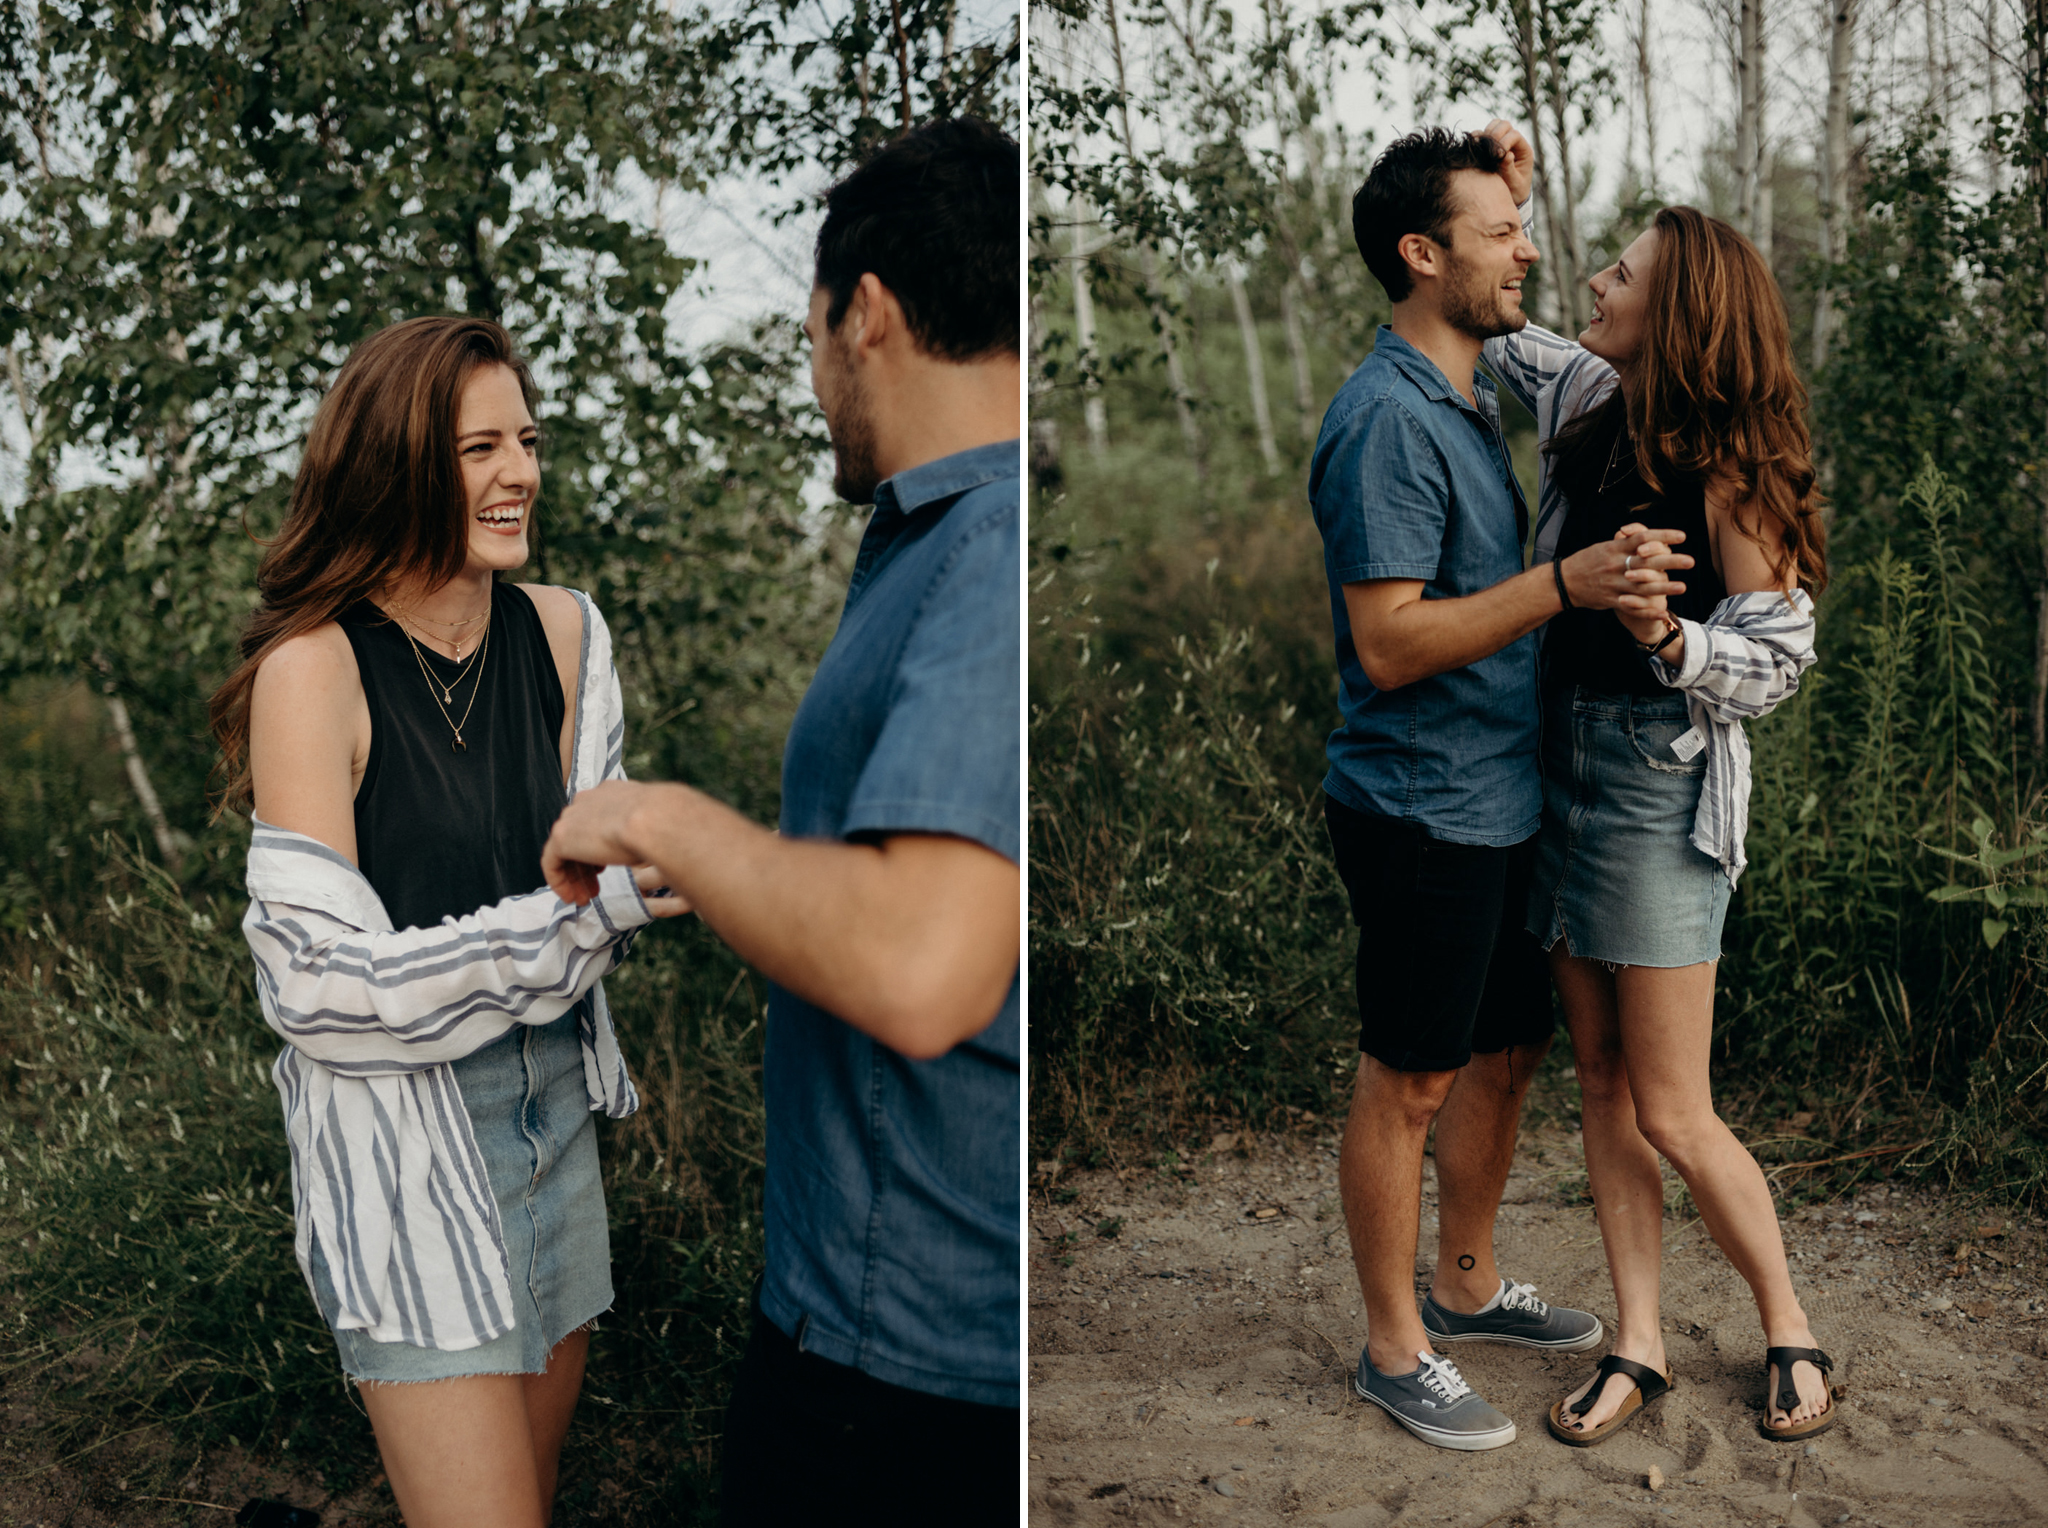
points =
(1446, 966)
(811, 1441)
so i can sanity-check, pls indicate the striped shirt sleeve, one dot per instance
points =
(1747, 656)
(365, 1002)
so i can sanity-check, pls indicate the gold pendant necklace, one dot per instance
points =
(1607, 478)
(446, 697)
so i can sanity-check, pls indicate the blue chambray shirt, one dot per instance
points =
(1411, 481)
(892, 1199)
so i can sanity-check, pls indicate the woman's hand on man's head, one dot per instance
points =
(1520, 170)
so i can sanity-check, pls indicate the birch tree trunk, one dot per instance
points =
(1254, 368)
(2034, 125)
(1643, 81)
(1834, 168)
(1297, 352)
(167, 846)
(1093, 409)
(1937, 75)
(1565, 289)
(1148, 269)
(1994, 68)
(1575, 273)
(1292, 289)
(1749, 115)
(1642, 108)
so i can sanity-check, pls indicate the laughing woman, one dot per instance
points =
(407, 727)
(1678, 406)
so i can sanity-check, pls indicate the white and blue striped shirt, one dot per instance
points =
(386, 1173)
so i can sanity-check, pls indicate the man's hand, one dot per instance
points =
(1520, 170)
(590, 834)
(1632, 566)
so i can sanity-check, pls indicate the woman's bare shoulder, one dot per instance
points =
(313, 662)
(561, 617)
(557, 606)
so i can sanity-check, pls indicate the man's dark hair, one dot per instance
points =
(1409, 191)
(933, 215)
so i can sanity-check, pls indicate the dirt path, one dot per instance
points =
(1195, 1364)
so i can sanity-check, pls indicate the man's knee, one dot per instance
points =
(1512, 1069)
(1410, 1098)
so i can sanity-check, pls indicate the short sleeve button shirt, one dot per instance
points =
(1410, 481)
(892, 1200)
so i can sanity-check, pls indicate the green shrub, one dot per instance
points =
(1189, 937)
(145, 1185)
(1190, 943)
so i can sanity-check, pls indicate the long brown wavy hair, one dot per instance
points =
(1717, 395)
(378, 499)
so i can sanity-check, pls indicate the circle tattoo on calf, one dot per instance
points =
(1467, 1261)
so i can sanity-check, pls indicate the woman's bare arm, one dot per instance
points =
(562, 619)
(309, 738)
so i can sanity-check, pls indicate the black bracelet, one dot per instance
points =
(1564, 600)
(1650, 650)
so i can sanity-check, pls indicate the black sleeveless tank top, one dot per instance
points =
(1591, 647)
(439, 831)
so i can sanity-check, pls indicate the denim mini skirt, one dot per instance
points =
(530, 1110)
(1616, 877)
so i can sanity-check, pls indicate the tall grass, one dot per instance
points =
(145, 1191)
(1885, 984)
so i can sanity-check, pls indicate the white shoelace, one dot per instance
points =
(1523, 1297)
(1441, 1376)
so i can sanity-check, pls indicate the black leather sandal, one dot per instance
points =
(1787, 1399)
(1649, 1384)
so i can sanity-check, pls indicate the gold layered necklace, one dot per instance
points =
(1614, 459)
(456, 641)
(444, 694)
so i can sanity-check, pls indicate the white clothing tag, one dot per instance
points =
(1688, 745)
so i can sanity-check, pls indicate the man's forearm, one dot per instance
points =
(898, 939)
(1425, 637)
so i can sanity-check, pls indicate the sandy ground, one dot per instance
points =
(1195, 1364)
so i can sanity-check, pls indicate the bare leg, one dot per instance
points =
(1666, 1027)
(550, 1403)
(459, 1452)
(1379, 1175)
(1475, 1147)
(1621, 1170)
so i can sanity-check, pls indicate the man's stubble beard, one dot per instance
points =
(851, 425)
(1476, 309)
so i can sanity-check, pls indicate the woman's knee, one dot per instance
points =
(1680, 1133)
(1603, 1077)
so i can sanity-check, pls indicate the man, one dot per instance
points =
(881, 1379)
(1432, 797)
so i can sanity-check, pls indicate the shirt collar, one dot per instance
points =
(914, 487)
(1423, 372)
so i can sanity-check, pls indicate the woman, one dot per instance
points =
(1678, 407)
(406, 726)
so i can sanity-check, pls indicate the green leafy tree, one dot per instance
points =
(214, 202)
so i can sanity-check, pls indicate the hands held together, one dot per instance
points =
(595, 830)
(1630, 576)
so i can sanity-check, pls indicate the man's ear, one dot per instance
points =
(1420, 254)
(880, 314)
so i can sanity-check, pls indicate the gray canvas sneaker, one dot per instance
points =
(1434, 1403)
(1517, 1318)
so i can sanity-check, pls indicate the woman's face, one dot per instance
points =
(1620, 306)
(495, 439)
